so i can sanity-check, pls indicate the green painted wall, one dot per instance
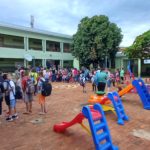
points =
(43, 54)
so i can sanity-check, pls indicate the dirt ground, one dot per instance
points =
(65, 102)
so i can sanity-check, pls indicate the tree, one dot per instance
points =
(140, 47)
(96, 38)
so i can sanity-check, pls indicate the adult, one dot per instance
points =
(122, 75)
(53, 74)
(101, 77)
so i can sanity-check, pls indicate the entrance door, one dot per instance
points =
(52, 63)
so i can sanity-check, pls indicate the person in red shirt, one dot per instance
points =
(28, 97)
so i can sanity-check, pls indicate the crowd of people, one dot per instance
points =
(26, 83)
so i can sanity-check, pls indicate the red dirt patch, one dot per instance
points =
(64, 103)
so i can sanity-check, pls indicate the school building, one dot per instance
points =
(140, 67)
(46, 48)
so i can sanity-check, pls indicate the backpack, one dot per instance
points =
(18, 94)
(29, 87)
(1, 89)
(46, 88)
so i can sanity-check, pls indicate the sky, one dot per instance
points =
(63, 16)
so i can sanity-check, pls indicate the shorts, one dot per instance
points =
(41, 99)
(108, 83)
(12, 103)
(28, 98)
(101, 86)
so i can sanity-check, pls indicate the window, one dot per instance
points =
(1, 41)
(52, 46)
(11, 41)
(67, 48)
(68, 63)
(35, 44)
(145, 69)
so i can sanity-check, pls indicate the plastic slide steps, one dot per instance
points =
(99, 128)
(119, 109)
(142, 92)
(77, 120)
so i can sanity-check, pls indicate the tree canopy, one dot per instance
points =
(140, 47)
(95, 38)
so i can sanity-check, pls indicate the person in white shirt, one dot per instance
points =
(10, 86)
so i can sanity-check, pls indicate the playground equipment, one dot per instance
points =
(116, 107)
(98, 125)
(143, 93)
(77, 120)
(119, 109)
(103, 99)
(140, 88)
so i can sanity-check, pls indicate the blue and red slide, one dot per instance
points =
(77, 120)
(142, 92)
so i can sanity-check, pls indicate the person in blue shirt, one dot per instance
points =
(101, 77)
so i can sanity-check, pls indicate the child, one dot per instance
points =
(82, 81)
(11, 89)
(93, 79)
(109, 80)
(117, 75)
(28, 90)
(40, 96)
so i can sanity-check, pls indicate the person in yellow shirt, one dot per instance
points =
(34, 77)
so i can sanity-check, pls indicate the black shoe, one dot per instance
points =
(15, 117)
(9, 119)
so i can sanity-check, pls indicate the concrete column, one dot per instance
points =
(26, 43)
(121, 63)
(44, 62)
(61, 63)
(25, 63)
(62, 47)
(44, 45)
(62, 50)
(139, 67)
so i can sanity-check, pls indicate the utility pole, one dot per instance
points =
(32, 21)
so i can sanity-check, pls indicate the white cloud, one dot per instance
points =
(63, 16)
